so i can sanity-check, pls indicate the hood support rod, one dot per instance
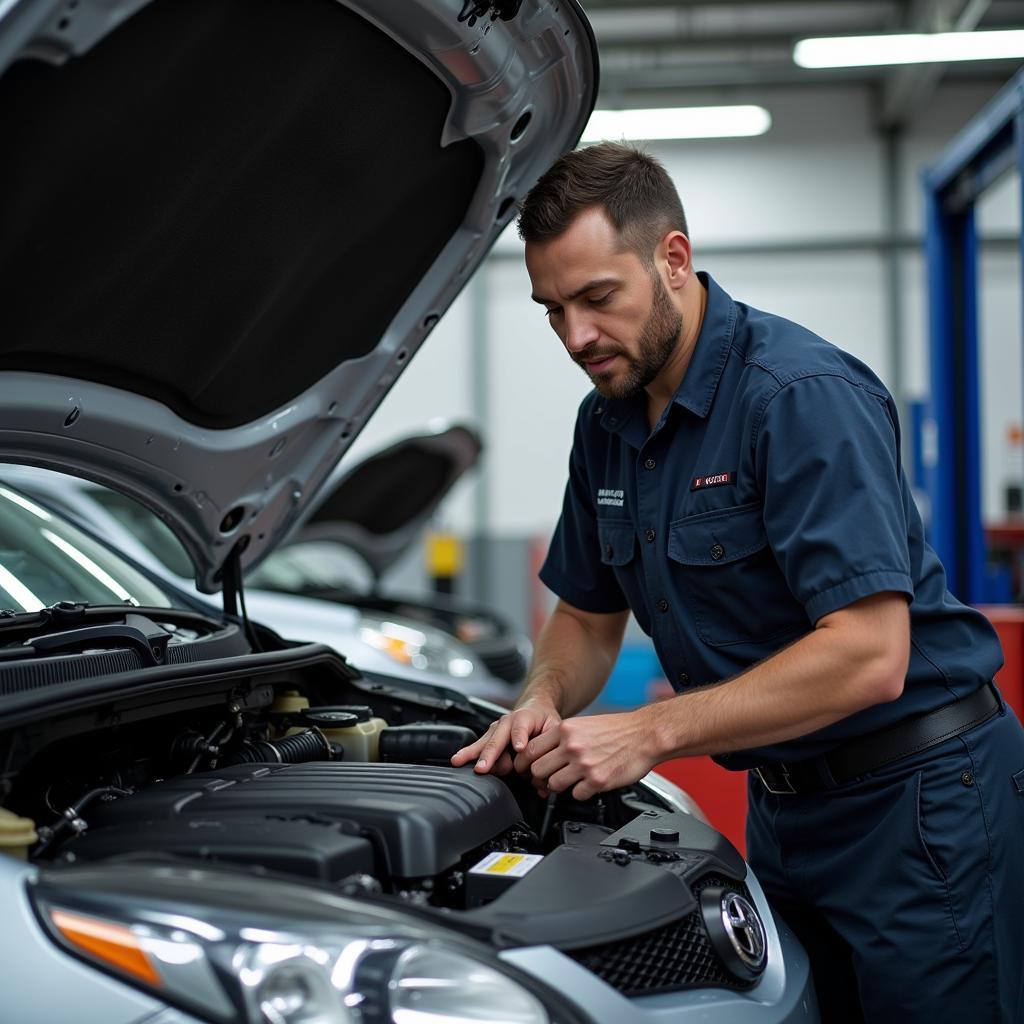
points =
(233, 592)
(231, 581)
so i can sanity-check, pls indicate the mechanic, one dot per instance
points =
(735, 482)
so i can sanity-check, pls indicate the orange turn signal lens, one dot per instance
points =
(398, 649)
(112, 944)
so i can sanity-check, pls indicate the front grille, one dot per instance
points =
(667, 959)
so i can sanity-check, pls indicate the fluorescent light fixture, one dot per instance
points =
(919, 48)
(677, 123)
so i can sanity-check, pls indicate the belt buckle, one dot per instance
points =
(777, 782)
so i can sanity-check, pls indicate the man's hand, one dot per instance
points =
(491, 750)
(592, 754)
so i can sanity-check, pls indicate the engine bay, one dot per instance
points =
(258, 773)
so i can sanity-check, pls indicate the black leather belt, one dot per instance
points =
(869, 753)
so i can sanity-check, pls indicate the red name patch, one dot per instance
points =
(713, 480)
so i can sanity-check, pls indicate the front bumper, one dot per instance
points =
(784, 995)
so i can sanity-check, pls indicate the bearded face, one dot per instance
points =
(644, 359)
(611, 307)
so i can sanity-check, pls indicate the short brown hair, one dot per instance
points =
(632, 187)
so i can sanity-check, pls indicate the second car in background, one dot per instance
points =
(369, 516)
(375, 641)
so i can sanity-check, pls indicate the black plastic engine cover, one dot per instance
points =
(610, 885)
(576, 893)
(421, 819)
(673, 837)
(323, 851)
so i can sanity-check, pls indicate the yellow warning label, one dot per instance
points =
(509, 865)
(504, 864)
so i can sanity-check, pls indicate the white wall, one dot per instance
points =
(818, 175)
(533, 393)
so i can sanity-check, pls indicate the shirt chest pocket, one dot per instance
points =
(730, 580)
(618, 543)
(618, 553)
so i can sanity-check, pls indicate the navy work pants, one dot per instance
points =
(906, 886)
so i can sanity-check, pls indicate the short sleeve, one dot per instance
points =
(573, 568)
(827, 457)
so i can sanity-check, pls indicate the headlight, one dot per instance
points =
(421, 647)
(331, 961)
(433, 986)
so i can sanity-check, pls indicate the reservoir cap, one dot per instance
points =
(330, 718)
(664, 835)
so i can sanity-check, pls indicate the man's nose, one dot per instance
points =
(580, 331)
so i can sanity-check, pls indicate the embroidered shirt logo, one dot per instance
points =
(714, 480)
(608, 497)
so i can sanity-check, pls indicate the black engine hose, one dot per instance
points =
(309, 745)
(71, 817)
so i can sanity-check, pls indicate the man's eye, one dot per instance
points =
(600, 300)
(553, 311)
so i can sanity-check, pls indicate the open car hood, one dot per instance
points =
(379, 507)
(228, 225)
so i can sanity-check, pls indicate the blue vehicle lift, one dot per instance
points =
(949, 441)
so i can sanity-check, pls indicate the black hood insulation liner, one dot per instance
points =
(196, 211)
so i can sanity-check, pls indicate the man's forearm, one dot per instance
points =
(824, 677)
(573, 658)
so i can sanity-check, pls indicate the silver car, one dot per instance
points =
(225, 228)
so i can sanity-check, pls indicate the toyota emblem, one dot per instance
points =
(736, 931)
(744, 928)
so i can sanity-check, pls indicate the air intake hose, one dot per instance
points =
(424, 743)
(309, 745)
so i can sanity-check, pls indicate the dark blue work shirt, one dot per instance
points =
(769, 494)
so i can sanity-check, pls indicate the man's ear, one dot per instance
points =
(676, 256)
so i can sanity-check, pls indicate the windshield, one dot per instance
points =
(44, 559)
(155, 534)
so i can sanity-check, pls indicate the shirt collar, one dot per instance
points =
(697, 389)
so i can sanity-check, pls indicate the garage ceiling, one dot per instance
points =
(656, 52)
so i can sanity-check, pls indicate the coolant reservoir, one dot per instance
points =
(291, 702)
(352, 725)
(16, 834)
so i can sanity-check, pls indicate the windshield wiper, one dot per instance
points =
(63, 612)
(136, 633)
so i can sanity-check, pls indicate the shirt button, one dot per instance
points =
(663, 605)
(650, 536)
(609, 551)
(717, 551)
(650, 464)
(683, 678)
